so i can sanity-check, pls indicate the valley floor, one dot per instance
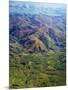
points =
(37, 70)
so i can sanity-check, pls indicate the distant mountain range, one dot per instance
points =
(37, 27)
(37, 8)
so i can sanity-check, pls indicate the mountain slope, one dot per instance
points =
(35, 31)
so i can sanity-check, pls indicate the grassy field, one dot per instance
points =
(37, 70)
